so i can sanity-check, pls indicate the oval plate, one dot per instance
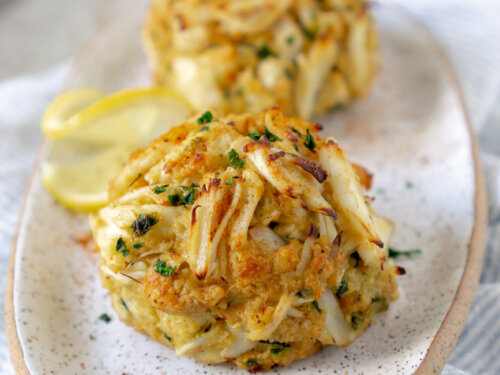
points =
(412, 130)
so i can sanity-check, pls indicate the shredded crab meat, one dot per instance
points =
(280, 311)
(337, 331)
(266, 238)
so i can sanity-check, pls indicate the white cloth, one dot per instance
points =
(38, 37)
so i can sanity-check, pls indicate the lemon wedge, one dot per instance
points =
(65, 106)
(91, 136)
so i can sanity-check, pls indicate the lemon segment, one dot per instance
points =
(82, 185)
(128, 116)
(91, 136)
(65, 106)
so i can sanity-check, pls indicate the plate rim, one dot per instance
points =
(454, 321)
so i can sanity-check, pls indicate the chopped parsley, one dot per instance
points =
(205, 118)
(124, 304)
(252, 363)
(395, 253)
(264, 51)
(121, 247)
(137, 245)
(304, 293)
(167, 337)
(376, 299)
(143, 224)
(230, 181)
(296, 148)
(164, 270)
(277, 347)
(105, 318)
(254, 136)
(290, 39)
(297, 132)
(356, 319)
(174, 199)
(270, 136)
(204, 129)
(309, 142)
(343, 288)
(316, 305)
(235, 160)
(310, 34)
(188, 198)
(160, 189)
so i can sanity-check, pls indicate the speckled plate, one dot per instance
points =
(413, 131)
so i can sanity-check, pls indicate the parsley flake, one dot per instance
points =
(270, 136)
(167, 337)
(160, 189)
(205, 118)
(105, 318)
(124, 304)
(164, 270)
(309, 142)
(304, 293)
(396, 253)
(121, 247)
(316, 305)
(143, 224)
(264, 51)
(290, 39)
(174, 199)
(204, 129)
(137, 245)
(252, 363)
(254, 136)
(235, 160)
(343, 288)
(230, 181)
(189, 197)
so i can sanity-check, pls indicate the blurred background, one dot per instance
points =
(38, 39)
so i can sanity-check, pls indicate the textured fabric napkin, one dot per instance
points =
(35, 58)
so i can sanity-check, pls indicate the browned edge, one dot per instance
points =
(449, 331)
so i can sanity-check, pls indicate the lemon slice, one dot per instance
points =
(82, 185)
(129, 116)
(65, 106)
(91, 136)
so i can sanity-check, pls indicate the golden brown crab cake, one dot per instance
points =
(247, 239)
(306, 56)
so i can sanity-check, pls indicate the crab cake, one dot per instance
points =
(245, 238)
(306, 56)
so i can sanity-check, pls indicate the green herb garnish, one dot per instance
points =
(254, 136)
(230, 181)
(264, 51)
(316, 305)
(174, 199)
(395, 253)
(343, 288)
(124, 304)
(137, 245)
(304, 293)
(160, 189)
(204, 129)
(296, 148)
(143, 224)
(121, 247)
(188, 198)
(309, 142)
(105, 318)
(252, 363)
(356, 319)
(167, 337)
(164, 270)
(205, 118)
(235, 160)
(290, 39)
(270, 136)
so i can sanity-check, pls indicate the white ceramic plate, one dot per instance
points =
(412, 131)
